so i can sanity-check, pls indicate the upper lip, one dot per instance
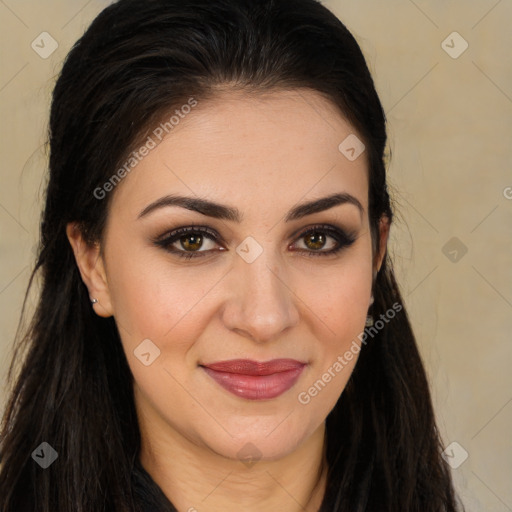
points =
(250, 367)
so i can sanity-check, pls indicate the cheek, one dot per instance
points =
(153, 297)
(338, 295)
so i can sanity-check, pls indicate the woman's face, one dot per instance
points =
(268, 278)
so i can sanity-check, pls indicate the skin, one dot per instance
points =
(262, 155)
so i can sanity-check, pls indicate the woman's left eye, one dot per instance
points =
(316, 239)
(189, 242)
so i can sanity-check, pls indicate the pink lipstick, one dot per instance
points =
(255, 380)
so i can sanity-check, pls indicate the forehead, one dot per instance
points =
(264, 151)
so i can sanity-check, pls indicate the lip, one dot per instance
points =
(255, 380)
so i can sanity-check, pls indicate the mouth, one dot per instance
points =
(255, 380)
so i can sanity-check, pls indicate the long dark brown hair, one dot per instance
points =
(71, 383)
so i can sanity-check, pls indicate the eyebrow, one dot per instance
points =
(220, 211)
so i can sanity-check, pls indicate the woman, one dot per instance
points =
(219, 326)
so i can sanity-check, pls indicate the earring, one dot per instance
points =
(93, 301)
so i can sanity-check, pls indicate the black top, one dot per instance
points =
(148, 495)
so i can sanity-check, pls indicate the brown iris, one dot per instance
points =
(315, 240)
(191, 242)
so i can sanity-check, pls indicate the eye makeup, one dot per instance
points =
(186, 242)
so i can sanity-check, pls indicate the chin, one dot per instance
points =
(267, 439)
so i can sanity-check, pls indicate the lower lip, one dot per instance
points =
(251, 387)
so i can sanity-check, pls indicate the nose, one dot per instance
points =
(261, 304)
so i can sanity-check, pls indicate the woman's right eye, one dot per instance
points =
(187, 242)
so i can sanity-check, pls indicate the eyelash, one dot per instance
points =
(343, 240)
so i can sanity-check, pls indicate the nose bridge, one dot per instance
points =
(262, 305)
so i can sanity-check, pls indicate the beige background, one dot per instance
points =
(450, 126)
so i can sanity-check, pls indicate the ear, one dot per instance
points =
(384, 226)
(92, 269)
